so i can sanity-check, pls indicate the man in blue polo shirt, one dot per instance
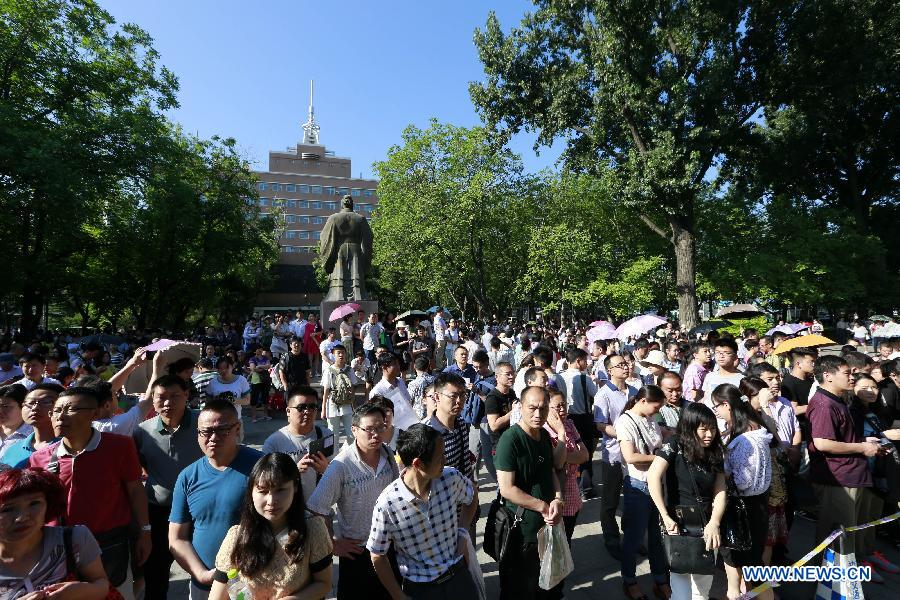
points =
(209, 493)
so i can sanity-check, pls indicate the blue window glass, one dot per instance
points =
(264, 202)
(304, 220)
(317, 234)
(318, 220)
(356, 192)
(303, 204)
(262, 187)
(369, 193)
(315, 204)
(290, 219)
(370, 208)
(343, 191)
(290, 234)
(277, 202)
(292, 204)
(304, 235)
(330, 205)
(329, 190)
(290, 188)
(315, 189)
(303, 189)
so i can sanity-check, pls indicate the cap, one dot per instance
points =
(401, 324)
(654, 358)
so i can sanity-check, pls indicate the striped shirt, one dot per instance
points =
(456, 444)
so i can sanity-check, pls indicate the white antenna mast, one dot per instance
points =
(311, 128)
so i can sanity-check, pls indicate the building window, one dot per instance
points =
(303, 189)
(330, 205)
(262, 187)
(369, 193)
(315, 204)
(263, 201)
(290, 219)
(370, 208)
(303, 235)
(318, 220)
(356, 192)
(277, 202)
(303, 204)
(343, 191)
(315, 189)
(290, 234)
(292, 204)
(249, 201)
(317, 234)
(287, 249)
(274, 187)
(329, 190)
(304, 220)
(290, 188)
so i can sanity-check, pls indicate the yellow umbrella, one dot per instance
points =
(804, 341)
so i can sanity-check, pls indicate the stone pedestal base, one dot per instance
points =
(369, 306)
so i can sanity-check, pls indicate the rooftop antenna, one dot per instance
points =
(311, 128)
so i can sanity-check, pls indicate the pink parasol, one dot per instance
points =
(638, 325)
(343, 310)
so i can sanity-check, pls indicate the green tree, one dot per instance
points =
(453, 219)
(656, 93)
(80, 109)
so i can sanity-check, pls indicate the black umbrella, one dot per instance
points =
(104, 339)
(709, 326)
(415, 314)
(740, 311)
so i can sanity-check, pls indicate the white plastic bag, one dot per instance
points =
(474, 567)
(556, 559)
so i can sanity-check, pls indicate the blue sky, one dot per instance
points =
(244, 69)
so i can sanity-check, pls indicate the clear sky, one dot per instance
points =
(244, 69)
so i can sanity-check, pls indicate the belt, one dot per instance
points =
(440, 579)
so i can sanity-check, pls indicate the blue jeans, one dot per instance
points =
(640, 517)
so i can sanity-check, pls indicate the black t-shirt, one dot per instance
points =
(497, 403)
(295, 367)
(679, 489)
(796, 389)
(890, 398)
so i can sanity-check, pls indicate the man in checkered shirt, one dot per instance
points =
(418, 514)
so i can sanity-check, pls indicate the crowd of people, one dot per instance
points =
(391, 429)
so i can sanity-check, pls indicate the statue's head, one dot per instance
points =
(347, 202)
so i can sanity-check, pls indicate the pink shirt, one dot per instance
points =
(694, 375)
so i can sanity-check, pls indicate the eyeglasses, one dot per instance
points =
(69, 410)
(621, 365)
(33, 404)
(725, 354)
(376, 430)
(454, 397)
(219, 431)
(302, 407)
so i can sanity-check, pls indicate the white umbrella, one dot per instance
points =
(638, 325)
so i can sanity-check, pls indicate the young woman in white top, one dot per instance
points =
(748, 460)
(639, 438)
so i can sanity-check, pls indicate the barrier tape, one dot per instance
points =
(819, 548)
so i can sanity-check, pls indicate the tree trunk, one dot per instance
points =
(685, 245)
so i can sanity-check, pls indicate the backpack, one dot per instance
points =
(275, 375)
(341, 387)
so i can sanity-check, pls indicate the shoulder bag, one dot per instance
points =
(686, 552)
(501, 529)
(736, 520)
(73, 573)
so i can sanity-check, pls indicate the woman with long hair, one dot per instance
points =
(748, 461)
(691, 463)
(639, 438)
(276, 550)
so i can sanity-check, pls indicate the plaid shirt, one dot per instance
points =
(571, 492)
(423, 532)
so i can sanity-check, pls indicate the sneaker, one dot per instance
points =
(882, 564)
(876, 578)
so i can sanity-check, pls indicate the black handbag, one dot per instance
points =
(736, 520)
(686, 552)
(501, 529)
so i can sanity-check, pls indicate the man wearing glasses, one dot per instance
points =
(725, 353)
(102, 478)
(294, 438)
(36, 413)
(209, 494)
(353, 481)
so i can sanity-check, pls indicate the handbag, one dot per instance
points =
(73, 573)
(736, 520)
(501, 529)
(687, 552)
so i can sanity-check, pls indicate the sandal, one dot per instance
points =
(631, 589)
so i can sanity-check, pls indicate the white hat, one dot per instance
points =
(655, 358)
(401, 324)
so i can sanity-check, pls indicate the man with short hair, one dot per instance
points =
(166, 445)
(418, 515)
(422, 345)
(525, 462)
(450, 395)
(370, 333)
(392, 387)
(9, 370)
(497, 353)
(326, 348)
(104, 492)
(36, 413)
(609, 403)
(209, 494)
(297, 327)
(672, 361)
(670, 413)
(417, 386)
(295, 368)
(353, 482)
(301, 430)
(33, 371)
(696, 372)
(339, 384)
(838, 467)
(543, 359)
(727, 361)
(599, 352)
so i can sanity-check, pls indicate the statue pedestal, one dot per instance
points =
(369, 306)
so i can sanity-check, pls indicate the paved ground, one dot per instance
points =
(596, 574)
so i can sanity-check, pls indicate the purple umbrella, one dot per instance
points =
(603, 331)
(638, 326)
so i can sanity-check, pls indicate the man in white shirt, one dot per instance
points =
(370, 333)
(727, 361)
(392, 387)
(33, 371)
(337, 399)
(9, 370)
(326, 348)
(298, 325)
(440, 339)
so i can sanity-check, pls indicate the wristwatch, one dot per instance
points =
(145, 527)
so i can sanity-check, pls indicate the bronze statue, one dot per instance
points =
(346, 250)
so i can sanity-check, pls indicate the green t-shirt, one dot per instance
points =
(532, 463)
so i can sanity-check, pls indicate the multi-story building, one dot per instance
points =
(304, 185)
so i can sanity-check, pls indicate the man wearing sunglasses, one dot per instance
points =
(294, 438)
(209, 494)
